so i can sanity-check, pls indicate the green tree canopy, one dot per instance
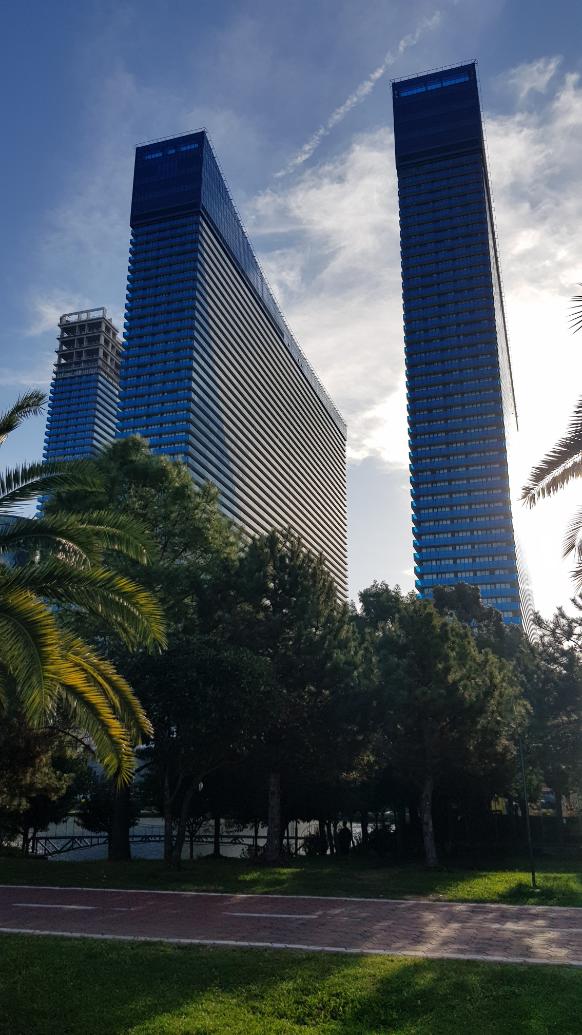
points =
(41, 773)
(448, 707)
(291, 617)
(200, 694)
(548, 669)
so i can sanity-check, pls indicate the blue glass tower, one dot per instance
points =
(461, 406)
(82, 409)
(211, 374)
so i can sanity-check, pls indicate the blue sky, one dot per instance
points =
(302, 89)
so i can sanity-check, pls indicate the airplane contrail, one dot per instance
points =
(362, 91)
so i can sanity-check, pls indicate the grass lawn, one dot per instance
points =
(560, 883)
(58, 985)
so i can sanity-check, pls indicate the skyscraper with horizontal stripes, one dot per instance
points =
(82, 409)
(211, 374)
(461, 406)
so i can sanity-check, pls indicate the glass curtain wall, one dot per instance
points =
(211, 374)
(461, 408)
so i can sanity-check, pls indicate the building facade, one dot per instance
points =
(461, 405)
(210, 373)
(83, 400)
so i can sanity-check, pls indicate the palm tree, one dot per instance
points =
(55, 577)
(576, 314)
(561, 465)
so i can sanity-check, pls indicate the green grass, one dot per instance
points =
(560, 884)
(54, 985)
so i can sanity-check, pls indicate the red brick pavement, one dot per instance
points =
(532, 934)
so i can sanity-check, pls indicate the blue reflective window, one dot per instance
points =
(456, 395)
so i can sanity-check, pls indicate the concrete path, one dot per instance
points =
(517, 934)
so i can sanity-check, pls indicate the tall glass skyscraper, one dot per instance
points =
(461, 406)
(211, 374)
(82, 409)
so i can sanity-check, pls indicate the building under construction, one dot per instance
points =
(83, 401)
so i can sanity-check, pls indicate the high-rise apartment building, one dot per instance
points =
(82, 409)
(211, 374)
(461, 406)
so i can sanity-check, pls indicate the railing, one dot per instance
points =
(59, 844)
(45, 845)
(83, 315)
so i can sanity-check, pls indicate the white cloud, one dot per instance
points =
(84, 239)
(38, 375)
(381, 431)
(46, 311)
(360, 93)
(535, 166)
(535, 159)
(532, 76)
(337, 272)
(342, 292)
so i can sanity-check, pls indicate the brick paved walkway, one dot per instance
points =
(531, 934)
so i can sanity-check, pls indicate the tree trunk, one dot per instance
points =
(119, 848)
(364, 827)
(273, 845)
(430, 853)
(176, 860)
(322, 837)
(330, 837)
(216, 838)
(168, 825)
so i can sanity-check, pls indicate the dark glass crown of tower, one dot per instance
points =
(82, 409)
(461, 406)
(211, 374)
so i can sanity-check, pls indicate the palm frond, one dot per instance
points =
(79, 538)
(113, 598)
(29, 645)
(120, 533)
(65, 536)
(22, 484)
(577, 579)
(113, 685)
(27, 405)
(576, 314)
(573, 538)
(42, 663)
(94, 715)
(559, 466)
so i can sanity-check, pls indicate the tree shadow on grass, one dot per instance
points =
(552, 889)
(72, 987)
(352, 877)
(438, 997)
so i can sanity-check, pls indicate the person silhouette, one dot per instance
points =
(344, 839)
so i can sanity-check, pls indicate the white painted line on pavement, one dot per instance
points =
(528, 909)
(48, 905)
(281, 916)
(344, 950)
